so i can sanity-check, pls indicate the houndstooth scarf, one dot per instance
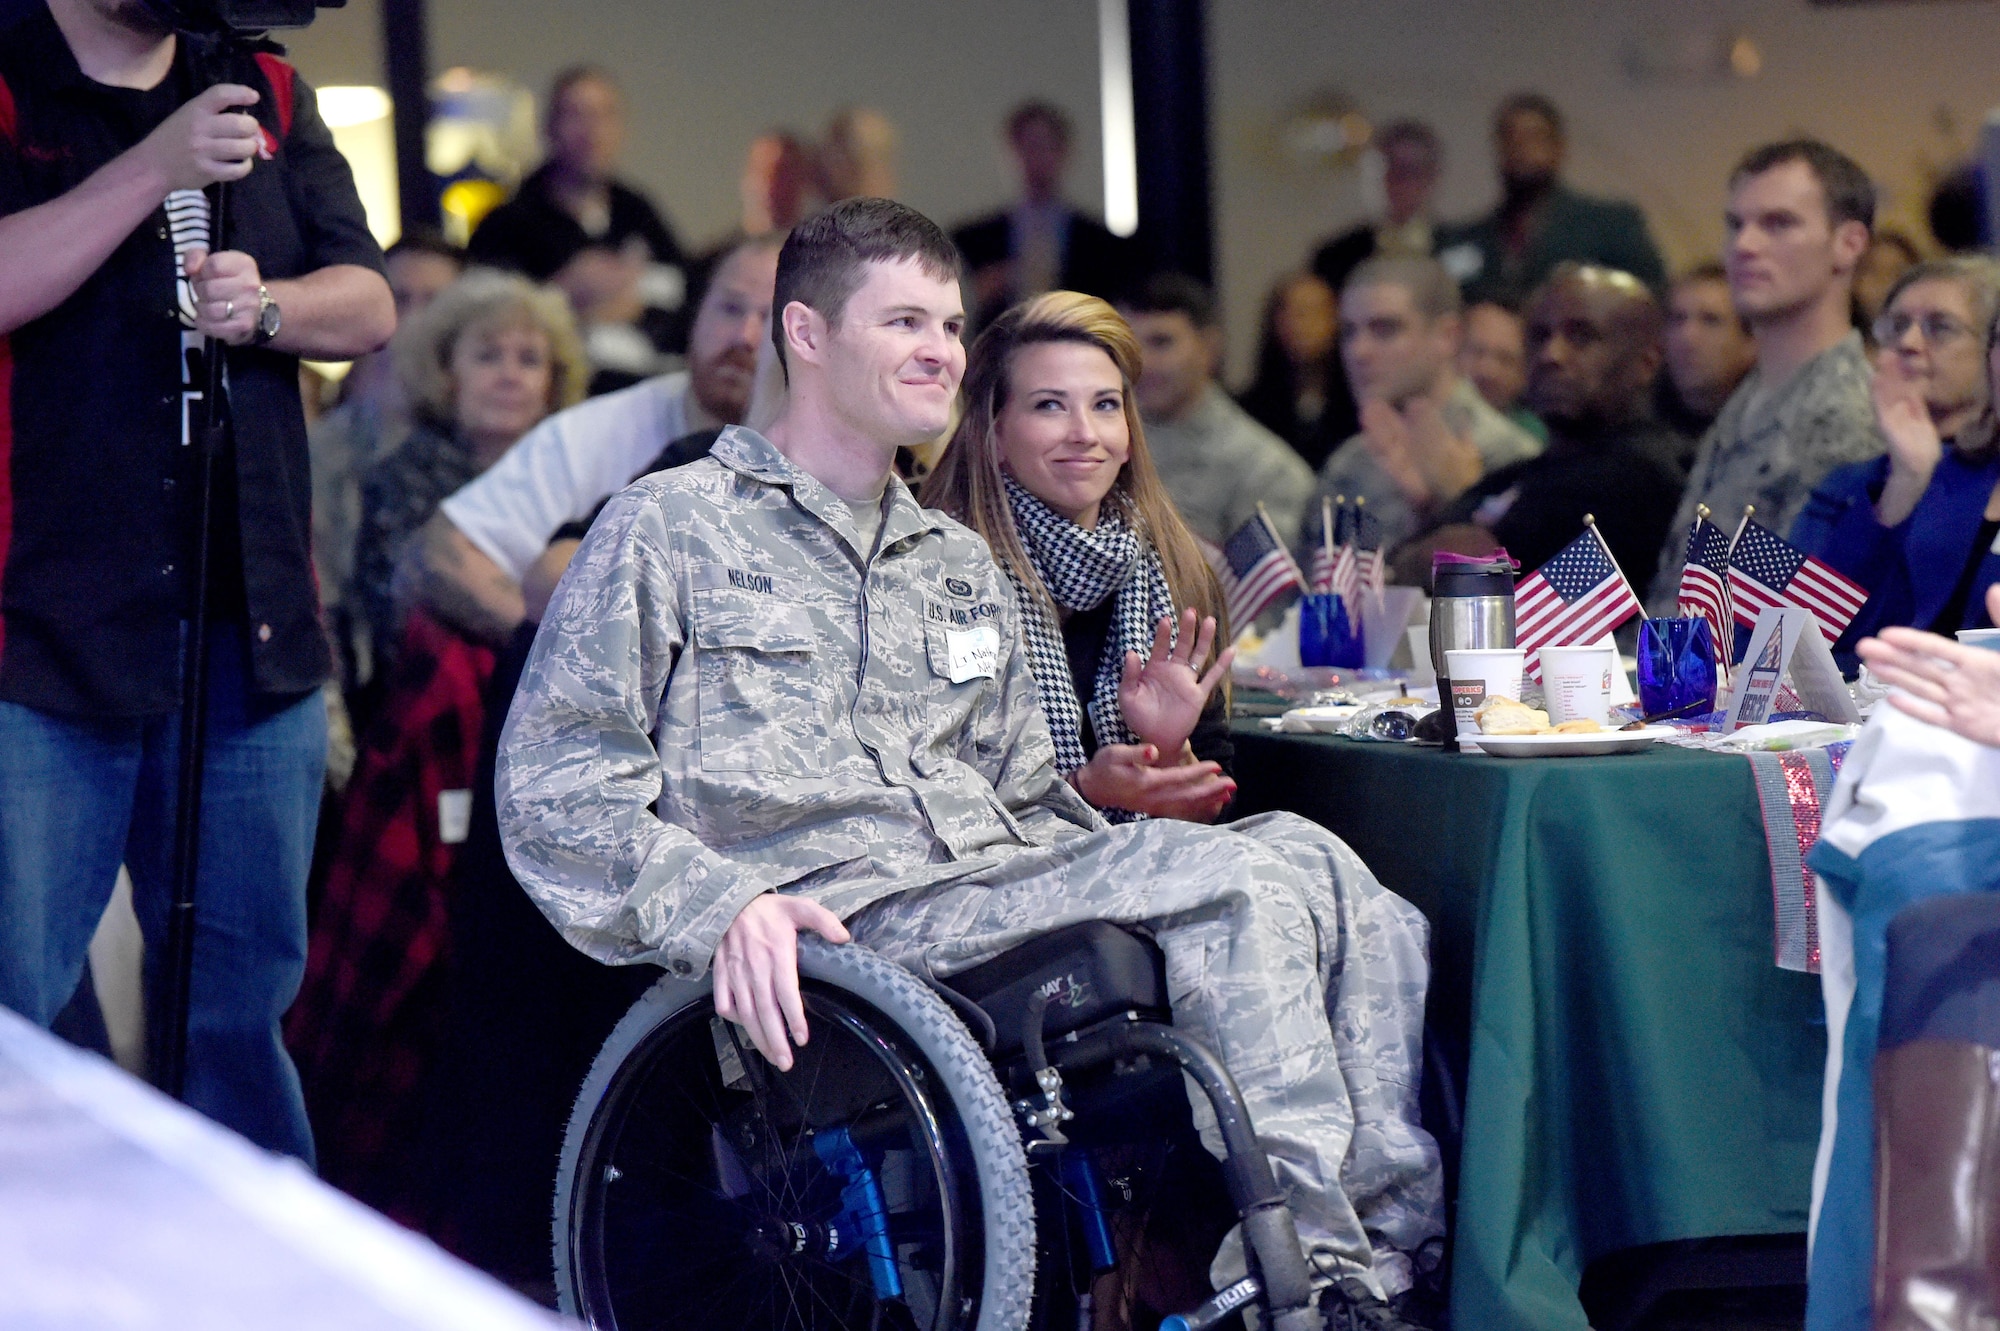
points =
(1080, 567)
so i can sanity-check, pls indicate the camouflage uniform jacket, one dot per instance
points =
(1218, 463)
(1771, 446)
(728, 696)
(1351, 470)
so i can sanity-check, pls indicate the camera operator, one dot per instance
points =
(109, 130)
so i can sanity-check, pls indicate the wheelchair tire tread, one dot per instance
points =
(1007, 1212)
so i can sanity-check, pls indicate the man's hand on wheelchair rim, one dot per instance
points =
(756, 970)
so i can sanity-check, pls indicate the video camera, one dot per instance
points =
(236, 18)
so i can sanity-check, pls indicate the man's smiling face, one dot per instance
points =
(895, 356)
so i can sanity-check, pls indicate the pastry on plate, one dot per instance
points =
(1581, 726)
(1505, 716)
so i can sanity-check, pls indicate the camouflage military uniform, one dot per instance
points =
(865, 731)
(1351, 470)
(1770, 447)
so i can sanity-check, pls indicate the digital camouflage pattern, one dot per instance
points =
(728, 696)
(1772, 444)
(1288, 959)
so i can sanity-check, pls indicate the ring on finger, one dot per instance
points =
(228, 309)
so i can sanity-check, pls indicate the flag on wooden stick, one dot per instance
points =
(1704, 588)
(1255, 570)
(1765, 570)
(1577, 597)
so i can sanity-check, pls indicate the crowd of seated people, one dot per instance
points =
(1479, 386)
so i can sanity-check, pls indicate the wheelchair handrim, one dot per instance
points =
(935, 1138)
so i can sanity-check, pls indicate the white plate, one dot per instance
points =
(1330, 720)
(1569, 746)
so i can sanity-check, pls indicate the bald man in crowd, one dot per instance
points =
(1594, 348)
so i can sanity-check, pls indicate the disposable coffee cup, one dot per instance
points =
(1479, 673)
(1987, 638)
(1577, 683)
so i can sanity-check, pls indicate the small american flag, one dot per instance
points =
(1322, 572)
(1578, 596)
(1704, 587)
(1369, 559)
(1334, 567)
(1765, 570)
(1255, 570)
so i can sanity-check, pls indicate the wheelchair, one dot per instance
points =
(884, 1181)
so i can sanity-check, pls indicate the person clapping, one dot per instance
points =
(1049, 464)
(1940, 681)
(1918, 526)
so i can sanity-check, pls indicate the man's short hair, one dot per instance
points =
(1176, 293)
(1433, 290)
(568, 78)
(1710, 270)
(1850, 194)
(425, 240)
(1414, 133)
(1530, 103)
(701, 276)
(1028, 112)
(823, 261)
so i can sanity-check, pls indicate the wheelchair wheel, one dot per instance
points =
(878, 1184)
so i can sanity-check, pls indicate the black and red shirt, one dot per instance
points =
(96, 396)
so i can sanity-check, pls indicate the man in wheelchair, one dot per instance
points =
(774, 695)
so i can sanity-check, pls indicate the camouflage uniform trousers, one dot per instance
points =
(1289, 960)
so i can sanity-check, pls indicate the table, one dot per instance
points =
(1640, 1071)
(121, 1209)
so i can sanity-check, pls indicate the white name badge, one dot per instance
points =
(454, 816)
(972, 653)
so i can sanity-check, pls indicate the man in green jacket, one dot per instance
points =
(1540, 222)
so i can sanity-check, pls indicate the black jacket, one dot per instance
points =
(95, 510)
(1095, 262)
(1627, 480)
(531, 234)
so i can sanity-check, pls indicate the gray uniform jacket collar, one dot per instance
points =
(748, 453)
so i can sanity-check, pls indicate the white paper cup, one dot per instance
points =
(1577, 683)
(1987, 638)
(1479, 673)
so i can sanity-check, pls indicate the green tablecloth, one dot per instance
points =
(1602, 933)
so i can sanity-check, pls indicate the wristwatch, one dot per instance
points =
(268, 317)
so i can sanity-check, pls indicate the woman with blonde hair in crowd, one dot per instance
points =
(481, 366)
(1049, 464)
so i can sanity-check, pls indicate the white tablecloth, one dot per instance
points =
(122, 1209)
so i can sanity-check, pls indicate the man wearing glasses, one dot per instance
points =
(1798, 222)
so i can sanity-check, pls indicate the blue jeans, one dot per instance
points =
(78, 796)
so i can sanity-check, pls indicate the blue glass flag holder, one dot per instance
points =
(1327, 637)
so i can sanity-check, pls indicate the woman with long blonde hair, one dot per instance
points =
(1049, 464)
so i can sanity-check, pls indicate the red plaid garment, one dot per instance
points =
(368, 1014)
